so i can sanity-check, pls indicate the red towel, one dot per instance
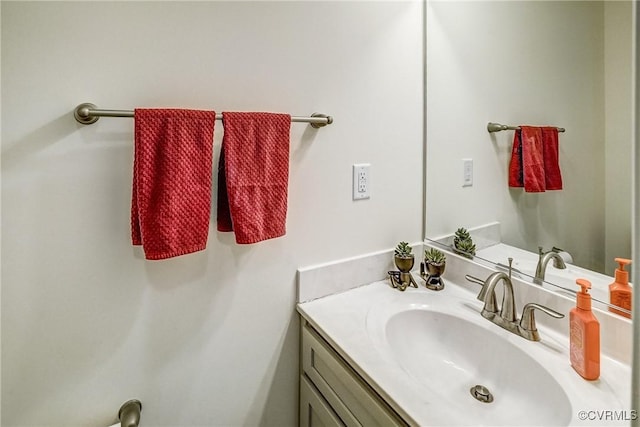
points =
(527, 161)
(552, 175)
(253, 175)
(171, 200)
(515, 165)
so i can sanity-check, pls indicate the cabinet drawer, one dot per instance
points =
(314, 410)
(353, 400)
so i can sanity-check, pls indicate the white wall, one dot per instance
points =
(618, 125)
(533, 62)
(209, 338)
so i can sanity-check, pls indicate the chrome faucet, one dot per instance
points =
(488, 296)
(507, 317)
(543, 260)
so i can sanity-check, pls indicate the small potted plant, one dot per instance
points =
(461, 235)
(466, 248)
(403, 256)
(463, 243)
(434, 264)
(404, 260)
(435, 260)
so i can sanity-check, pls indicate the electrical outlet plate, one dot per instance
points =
(361, 181)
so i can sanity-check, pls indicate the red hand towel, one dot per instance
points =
(253, 175)
(527, 161)
(515, 166)
(553, 177)
(171, 199)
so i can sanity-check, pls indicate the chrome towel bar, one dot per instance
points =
(497, 127)
(88, 113)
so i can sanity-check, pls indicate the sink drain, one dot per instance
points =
(481, 393)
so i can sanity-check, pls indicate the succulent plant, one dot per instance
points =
(466, 248)
(434, 256)
(461, 235)
(463, 243)
(403, 250)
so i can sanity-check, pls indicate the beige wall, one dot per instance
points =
(209, 338)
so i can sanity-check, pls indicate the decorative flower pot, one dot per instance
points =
(404, 264)
(436, 269)
(402, 279)
(433, 273)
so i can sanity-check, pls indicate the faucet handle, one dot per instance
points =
(493, 304)
(474, 279)
(490, 304)
(558, 262)
(528, 321)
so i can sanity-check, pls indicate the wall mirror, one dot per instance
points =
(566, 64)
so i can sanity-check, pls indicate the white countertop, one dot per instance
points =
(350, 322)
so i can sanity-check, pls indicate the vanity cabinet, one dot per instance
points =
(332, 393)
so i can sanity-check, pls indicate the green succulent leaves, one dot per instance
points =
(463, 243)
(403, 250)
(434, 256)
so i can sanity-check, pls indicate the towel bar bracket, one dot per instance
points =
(129, 413)
(82, 113)
(321, 124)
(497, 127)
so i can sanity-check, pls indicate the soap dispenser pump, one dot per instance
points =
(619, 290)
(584, 330)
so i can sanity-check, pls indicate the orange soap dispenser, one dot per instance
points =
(619, 290)
(584, 335)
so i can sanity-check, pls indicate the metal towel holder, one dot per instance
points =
(87, 113)
(497, 127)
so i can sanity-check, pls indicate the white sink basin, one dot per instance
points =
(456, 355)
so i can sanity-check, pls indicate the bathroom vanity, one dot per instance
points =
(332, 393)
(373, 355)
